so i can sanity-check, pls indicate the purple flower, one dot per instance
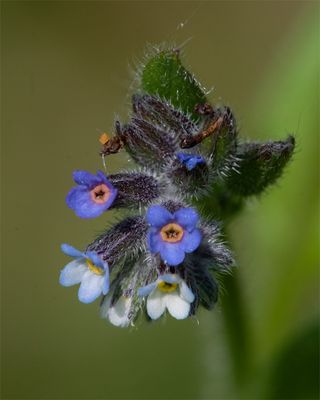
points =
(93, 195)
(173, 235)
(190, 161)
(89, 270)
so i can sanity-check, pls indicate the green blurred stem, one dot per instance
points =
(237, 330)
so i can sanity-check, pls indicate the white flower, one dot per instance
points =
(168, 292)
(89, 270)
(118, 313)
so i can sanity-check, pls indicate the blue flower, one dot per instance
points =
(87, 269)
(173, 235)
(190, 161)
(93, 195)
(170, 292)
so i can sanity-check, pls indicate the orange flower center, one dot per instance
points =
(100, 194)
(172, 233)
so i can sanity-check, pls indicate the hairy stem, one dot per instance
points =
(237, 329)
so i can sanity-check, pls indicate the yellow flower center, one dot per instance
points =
(167, 287)
(172, 233)
(96, 270)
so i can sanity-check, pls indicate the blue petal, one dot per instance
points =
(146, 290)
(190, 160)
(73, 272)
(187, 218)
(186, 293)
(169, 278)
(193, 162)
(200, 159)
(77, 194)
(190, 164)
(183, 157)
(71, 251)
(91, 287)
(191, 240)
(96, 260)
(79, 199)
(158, 216)
(102, 177)
(153, 241)
(86, 178)
(172, 253)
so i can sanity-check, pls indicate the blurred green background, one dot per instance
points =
(66, 72)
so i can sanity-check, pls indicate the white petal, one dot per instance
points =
(104, 308)
(118, 313)
(155, 304)
(186, 293)
(176, 306)
(91, 287)
(73, 272)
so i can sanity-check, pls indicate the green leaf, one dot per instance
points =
(165, 76)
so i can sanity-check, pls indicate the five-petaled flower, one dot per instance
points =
(190, 161)
(93, 195)
(170, 292)
(87, 269)
(173, 235)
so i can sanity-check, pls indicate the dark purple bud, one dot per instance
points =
(135, 189)
(162, 113)
(147, 144)
(126, 239)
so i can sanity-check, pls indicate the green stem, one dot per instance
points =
(237, 330)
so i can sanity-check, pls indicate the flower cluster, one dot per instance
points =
(163, 256)
(166, 254)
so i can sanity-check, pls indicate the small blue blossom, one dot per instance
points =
(169, 292)
(93, 195)
(190, 161)
(87, 269)
(173, 235)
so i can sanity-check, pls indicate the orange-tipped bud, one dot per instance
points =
(104, 138)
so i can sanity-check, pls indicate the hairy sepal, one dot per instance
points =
(259, 166)
(127, 239)
(149, 145)
(224, 144)
(162, 113)
(191, 182)
(135, 189)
